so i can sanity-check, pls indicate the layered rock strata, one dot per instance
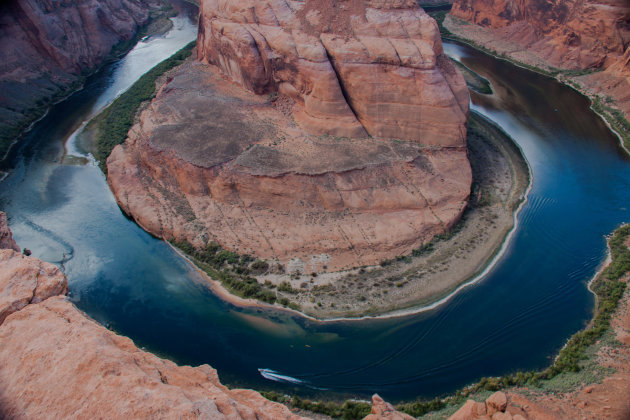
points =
(210, 162)
(559, 34)
(352, 67)
(566, 33)
(46, 45)
(341, 142)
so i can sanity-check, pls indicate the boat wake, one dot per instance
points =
(272, 375)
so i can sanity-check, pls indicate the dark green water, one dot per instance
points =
(518, 317)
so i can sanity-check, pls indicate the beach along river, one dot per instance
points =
(517, 318)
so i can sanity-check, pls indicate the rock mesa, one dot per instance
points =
(328, 132)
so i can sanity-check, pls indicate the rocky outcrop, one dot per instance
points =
(496, 408)
(45, 46)
(25, 280)
(352, 67)
(6, 236)
(208, 161)
(591, 35)
(341, 142)
(382, 410)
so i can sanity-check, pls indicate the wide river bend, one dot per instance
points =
(516, 318)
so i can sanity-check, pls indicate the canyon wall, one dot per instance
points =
(568, 34)
(327, 132)
(45, 46)
(591, 38)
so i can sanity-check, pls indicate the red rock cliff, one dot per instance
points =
(561, 34)
(353, 67)
(354, 154)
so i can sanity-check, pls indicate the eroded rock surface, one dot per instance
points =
(341, 142)
(6, 236)
(382, 410)
(25, 280)
(352, 67)
(208, 161)
(566, 33)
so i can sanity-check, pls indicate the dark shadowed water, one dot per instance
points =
(518, 317)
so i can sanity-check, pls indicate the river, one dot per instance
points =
(517, 317)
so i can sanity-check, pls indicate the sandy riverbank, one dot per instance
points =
(501, 177)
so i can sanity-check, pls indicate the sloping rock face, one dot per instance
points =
(57, 363)
(567, 33)
(46, 45)
(563, 34)
(340, 144)
(208, 161)
(352, 66)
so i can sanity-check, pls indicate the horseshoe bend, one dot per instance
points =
(319, 136)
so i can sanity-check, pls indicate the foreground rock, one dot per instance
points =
(25, 280)
(565, 34)
(355, 154)
(45, 46)
(6, 236)
(57, 363)
(382, 410)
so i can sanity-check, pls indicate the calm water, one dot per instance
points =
(516, 318)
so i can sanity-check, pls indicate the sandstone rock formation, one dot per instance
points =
(46, 45)
(6, 236)
(354, 154)
(566, 33)
(496, 408)
(382, 410)
(351, 66)
(25, 280)
(562, 34)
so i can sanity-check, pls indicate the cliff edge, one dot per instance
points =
(56, 362)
